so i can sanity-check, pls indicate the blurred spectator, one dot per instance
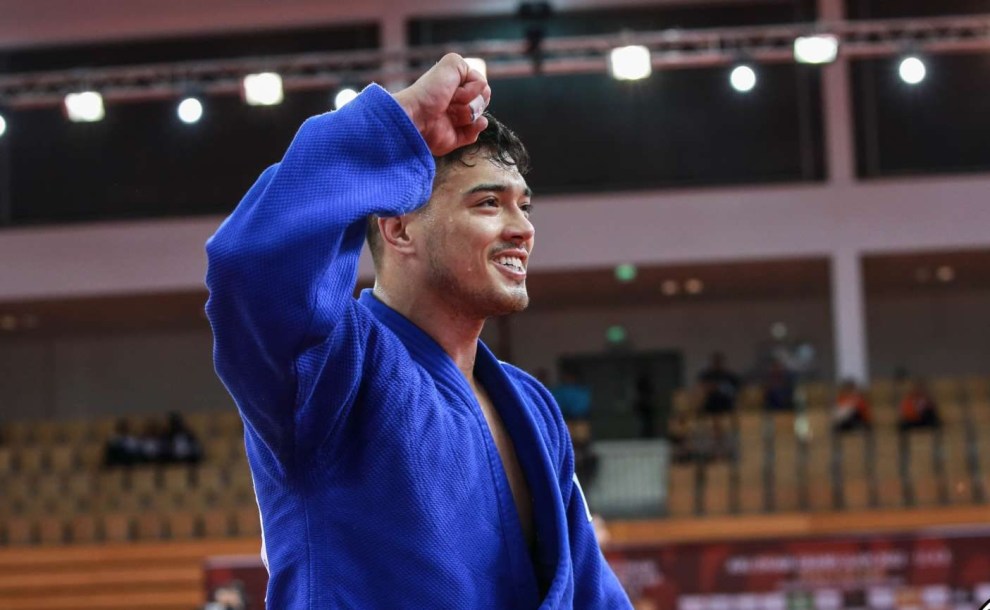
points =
(852, 410)
(123, 448)
(574, 400)
(778, 388)
(680, 437)
(228, 597)
(719, 388)
(181, 444)
(645, 407)
(572, 396)
(153, 443)
(918, 409)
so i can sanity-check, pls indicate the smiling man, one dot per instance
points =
(397, 463)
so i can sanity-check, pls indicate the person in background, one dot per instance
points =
(918, 408)
(181, 445)
(123, 448)
(719, 389)
(645, 406)
(852, 409)
(778, 388)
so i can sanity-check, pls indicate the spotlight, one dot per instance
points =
(263, 89)
(630, 63)
(190, 110)
(945, 274)
(84, 107)
(912, 70)
(742, 79)
(476, 63)
(343, 97)
(694, 286)
(669, 288)
(3, 125)
(821, 49)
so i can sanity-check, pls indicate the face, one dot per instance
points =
(478, 238)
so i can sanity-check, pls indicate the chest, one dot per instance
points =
(510, 463)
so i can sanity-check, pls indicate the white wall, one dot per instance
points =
(102, 375)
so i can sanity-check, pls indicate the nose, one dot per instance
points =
(518, 228)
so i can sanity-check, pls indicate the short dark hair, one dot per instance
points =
(498, 143)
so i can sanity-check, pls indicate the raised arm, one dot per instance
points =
(282, 268)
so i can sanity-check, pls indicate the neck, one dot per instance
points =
(455, 332)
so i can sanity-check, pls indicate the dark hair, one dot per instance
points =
(497, 143)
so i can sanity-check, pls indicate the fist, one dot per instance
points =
(446, 104)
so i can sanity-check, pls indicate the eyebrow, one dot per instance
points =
(495, 188)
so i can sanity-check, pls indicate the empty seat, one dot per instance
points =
(216, 523)
(51, 530)
(717, 490)
(149, 525)
(117, 527)
(886, 459)
(63, 458)
(19, 531)
(247, 521)
(681, 489)
(83, 529)
(32, 459)
(182, 525)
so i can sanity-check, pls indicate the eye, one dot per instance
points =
(490, 202)
(527, 209)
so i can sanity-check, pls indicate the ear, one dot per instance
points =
(395, 233)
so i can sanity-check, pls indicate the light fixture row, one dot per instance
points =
(626, 63)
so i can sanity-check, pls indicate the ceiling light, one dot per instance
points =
(912, 70)
(190, 110)
(945, 273)
(694, 286)
(630, 63)
(669, 287)
(263, 89)
(742, 79)
(344, 97)
(84, 107)
(3, 125)
(820, 49)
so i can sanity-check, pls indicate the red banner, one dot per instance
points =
(945, 570)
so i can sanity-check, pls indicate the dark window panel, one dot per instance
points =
(142, 162)
(938, 126)
(252, 44)
(892, 9)
(679, 128)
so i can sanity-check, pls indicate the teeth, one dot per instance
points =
(510, 261)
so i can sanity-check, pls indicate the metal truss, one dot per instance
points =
(670, 49)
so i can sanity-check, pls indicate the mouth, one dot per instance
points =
(511, 264)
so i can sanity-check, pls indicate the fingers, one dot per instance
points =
(469, 133)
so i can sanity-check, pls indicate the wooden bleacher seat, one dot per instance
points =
(977, 389)
(920, 447)
(717, 490)
(784, 443)
(63, 458)
(946, 389)
(19, 530)
(818, 484)
(83, 529)
(182, 525)
(817, 395)
(51, 529)
(856, 455)
(149, 525)
(751, 462)
(91, 455)
(117, 526)
(32, 459)
(216, 523)
(6, 461)
(882, 393)
(247, 521)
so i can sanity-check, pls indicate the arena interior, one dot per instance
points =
(797, 188)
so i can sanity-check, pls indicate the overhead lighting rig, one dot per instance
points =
(666, 49)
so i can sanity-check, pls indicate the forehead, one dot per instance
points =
(458, 177)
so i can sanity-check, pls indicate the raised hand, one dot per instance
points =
(446, 104)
